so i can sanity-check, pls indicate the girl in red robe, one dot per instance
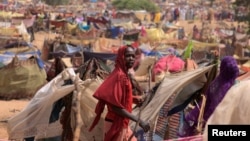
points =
(116, 93)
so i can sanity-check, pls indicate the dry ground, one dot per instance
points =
(13, 107)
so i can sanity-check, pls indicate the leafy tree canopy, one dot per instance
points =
(147, 5)
(56, 2)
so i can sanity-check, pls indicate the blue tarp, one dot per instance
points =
(6, 57)
(84, 27)
(24, 53)
(115, 31)
(93, 0)
(67, 50)
(155, 53)
(71, 49)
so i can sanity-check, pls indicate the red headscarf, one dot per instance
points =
(116, 90)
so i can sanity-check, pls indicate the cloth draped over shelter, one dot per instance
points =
(21, 78)
(170, 85)
(33, 120)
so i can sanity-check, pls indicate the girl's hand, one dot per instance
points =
(138, 99)
(145, 126)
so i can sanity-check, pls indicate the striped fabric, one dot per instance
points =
(173, 126)
(190, 138)
(162, 121)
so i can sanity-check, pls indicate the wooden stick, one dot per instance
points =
(143, 105)
(77, 109)
(200, 118)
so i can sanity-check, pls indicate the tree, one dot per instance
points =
(147, 5)
(242, 12)
(56, 2)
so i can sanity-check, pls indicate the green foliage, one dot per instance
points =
(135, 5)
(56, 2)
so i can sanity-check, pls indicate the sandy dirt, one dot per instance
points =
(7, 110)
(10, 108)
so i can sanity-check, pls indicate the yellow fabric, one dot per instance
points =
(155, 34)
(157, 18)
(10, 14)
(128, 25)
(143, 16)
(71, 27)
(10, 31)
(201, 45)
(21, 79)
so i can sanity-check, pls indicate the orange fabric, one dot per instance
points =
(245, 68)
(191, 64)
(116, 90)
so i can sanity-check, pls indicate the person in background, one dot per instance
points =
(116, 93)
(216, 91)
(239, 29)
(113, 13)
(233, 109)
(176, 13)
(195, 32)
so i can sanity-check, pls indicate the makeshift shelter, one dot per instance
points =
(126, 14)
(35, 119)
(106, 45)
(153, 35)
(22, 52)
(169, 88)
(143, 15)
(21, 78)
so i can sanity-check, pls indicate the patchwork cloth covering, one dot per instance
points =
(21, 79)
